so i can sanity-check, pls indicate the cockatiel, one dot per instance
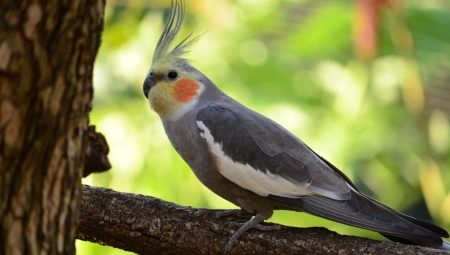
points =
(252, 161)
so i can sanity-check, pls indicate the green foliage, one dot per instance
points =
(292, 61)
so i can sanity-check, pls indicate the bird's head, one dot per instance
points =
(172, 85)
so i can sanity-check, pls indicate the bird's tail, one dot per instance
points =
(364, 212)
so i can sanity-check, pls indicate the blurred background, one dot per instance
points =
(365, 83)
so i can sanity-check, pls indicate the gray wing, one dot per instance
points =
(261, 156)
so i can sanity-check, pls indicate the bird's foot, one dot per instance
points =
(236, 235)
(260, 226)
(253, 222)
(229, 245)
(235, 212)
(268, 227)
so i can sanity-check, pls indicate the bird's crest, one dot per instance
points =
(170, 31)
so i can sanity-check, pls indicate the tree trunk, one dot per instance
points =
(47, 51)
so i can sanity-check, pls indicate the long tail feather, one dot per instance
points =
(364, 212)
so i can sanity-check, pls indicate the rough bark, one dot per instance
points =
(147, 225)
(47, 51)
(97, 150)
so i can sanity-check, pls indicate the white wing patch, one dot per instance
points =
(247, 177)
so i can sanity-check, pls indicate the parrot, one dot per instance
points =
(253, 162)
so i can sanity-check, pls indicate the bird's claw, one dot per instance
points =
(233, 238)
(235, 212)
(259, 226)
(268, 227)
(228, 246)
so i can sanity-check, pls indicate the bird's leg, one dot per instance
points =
(253, 222)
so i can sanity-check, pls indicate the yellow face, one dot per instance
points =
(174, 90)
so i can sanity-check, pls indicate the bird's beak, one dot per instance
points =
(148, 84)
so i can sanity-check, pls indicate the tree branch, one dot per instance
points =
(147, 225)
(96, 154)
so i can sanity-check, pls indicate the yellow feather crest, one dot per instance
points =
(170, 31)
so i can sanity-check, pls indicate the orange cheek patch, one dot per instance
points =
(185, 90)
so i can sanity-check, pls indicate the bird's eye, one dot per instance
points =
(172, 75)
(151, 73)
